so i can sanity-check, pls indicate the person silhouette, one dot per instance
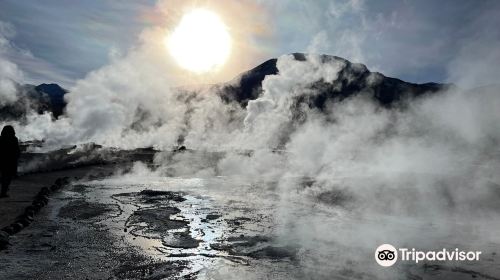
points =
(9, 154)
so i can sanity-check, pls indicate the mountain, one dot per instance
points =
(55, 94)
(353, 78)
(247, 86)
(40, 99)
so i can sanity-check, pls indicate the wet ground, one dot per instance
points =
(147, 227)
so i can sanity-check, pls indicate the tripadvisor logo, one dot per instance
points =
(387, 255)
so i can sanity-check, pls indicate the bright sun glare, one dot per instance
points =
(201, 41)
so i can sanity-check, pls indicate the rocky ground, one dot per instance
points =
(98, 230)
(110, 224)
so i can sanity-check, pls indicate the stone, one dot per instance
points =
(4, 239)
(44, 191)
(8, 229)
(16, 227)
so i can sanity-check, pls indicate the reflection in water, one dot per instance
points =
(225, 228)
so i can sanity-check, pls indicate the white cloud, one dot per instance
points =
(9, 72)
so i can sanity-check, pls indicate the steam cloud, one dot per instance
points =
(435, 160)
(9, 72)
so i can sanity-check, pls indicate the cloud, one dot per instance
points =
(20, 60)
(476, 62)
(383, 171)
(67, 41)
(9, 72)
(378, 173)
(320, 41)
(387, 173)
(411, 40)
(139, 98)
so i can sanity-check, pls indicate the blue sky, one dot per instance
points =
(67, 39)
(415, 40)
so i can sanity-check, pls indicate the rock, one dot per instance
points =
(44, 191)
(40, 201)
(213, 216)
(64, 181)
(30, 211)
(274, 252)
(4, 239)
(83, 210)
(16, 227)
(59, 182)
(153, 195)
(30, 218)
(8, 229)
(181, 148)
(24, 221)
(43, 198)
(38, 205)
(180, 240)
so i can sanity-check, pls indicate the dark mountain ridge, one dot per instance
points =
(55, 94)
(40, 99)
(353, 78)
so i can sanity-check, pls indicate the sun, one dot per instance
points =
(201, 42)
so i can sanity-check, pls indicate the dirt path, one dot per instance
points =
(24, 189)
(55, 247)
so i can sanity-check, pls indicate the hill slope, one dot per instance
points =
(353, 78)
(40, 99)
